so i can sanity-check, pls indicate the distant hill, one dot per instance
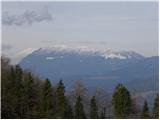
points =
(95, 68)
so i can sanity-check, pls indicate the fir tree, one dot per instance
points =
(155, 113)
(46, 100)
(60, 101)
(31, 95)
(7, 87)
(24, 96)
(18, 75)
(145, 111)
(121, 102)
(18, 93)
(79, 111)
(93, 108)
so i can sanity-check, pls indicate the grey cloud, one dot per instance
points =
(27, 18)
(6, 47)
(84, 42)
(102, 42)
(76, 42)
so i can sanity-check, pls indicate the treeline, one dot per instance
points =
(24, 95)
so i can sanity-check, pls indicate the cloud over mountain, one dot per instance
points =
(6, 47)
(26, 18)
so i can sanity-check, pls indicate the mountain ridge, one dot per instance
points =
(108, 53)
(92, 69)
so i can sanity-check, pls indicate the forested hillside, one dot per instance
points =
(24, 95)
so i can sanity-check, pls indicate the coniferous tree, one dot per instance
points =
(93, 108)
(18, 93)
(22, 94)
(46, 100)
(145, 111)
(79, 111)
(155, 112)
(121, 102)
(31, 96)
(60, 101)
(7, 78)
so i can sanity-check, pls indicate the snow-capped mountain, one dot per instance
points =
(95, 68)
(108, 53)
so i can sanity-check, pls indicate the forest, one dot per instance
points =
(25, 95)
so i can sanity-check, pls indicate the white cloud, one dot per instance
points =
(27, 18)
(20, 55)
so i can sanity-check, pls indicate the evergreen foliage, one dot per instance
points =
(60, 101)
(93, 108)
(121, 102)
(155, 113)
(46, 100)
(30, 94)
(79, 110)
(145, 111)
(25, 96)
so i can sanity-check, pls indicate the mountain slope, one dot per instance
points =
(94, 68)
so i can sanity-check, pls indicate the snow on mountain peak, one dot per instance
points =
(66, 49)
(107, 53)
(112, 55)
(122, 55)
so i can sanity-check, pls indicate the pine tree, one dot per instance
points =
(121, 102)
(79, 111)
(46, 100)
(7, 87)
(93, 108)
(155, 113)
(30, 95)
(13, 100)
(60, 101)
(18, 93)
(145, 111)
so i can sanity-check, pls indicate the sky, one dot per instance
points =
(120, 26)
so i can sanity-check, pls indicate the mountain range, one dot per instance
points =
(95, 68)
